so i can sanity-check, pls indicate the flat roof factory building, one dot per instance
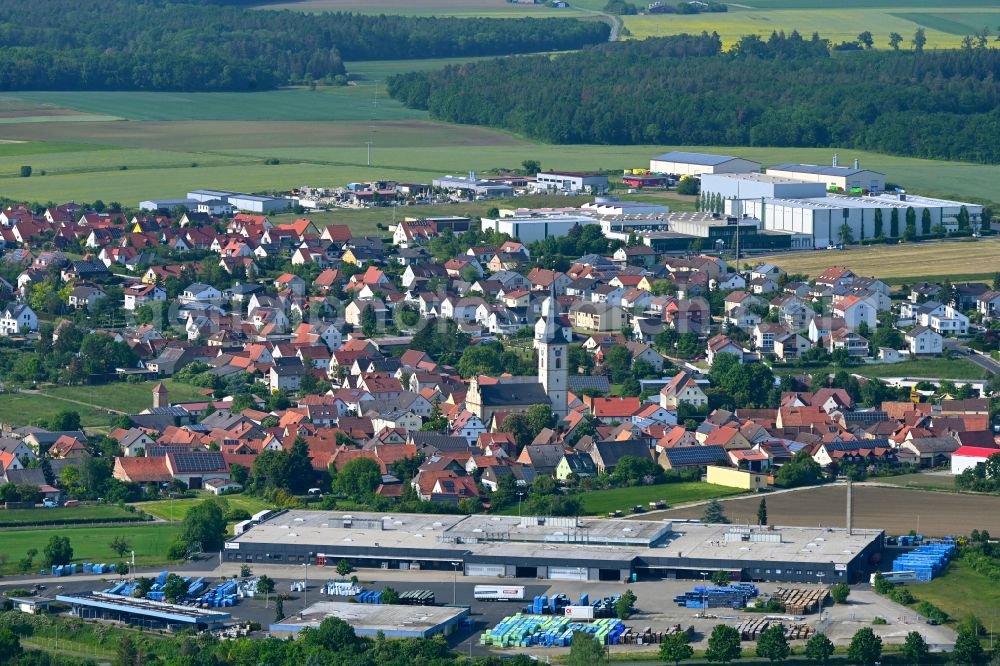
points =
(248, 202)
(472, 184)
(682, 163)
(569, 181)
(833, 176)
(531, 228)
(393, 621)
(676, 231)
(759, 185)
(144, 612)
(557, 548)
(819, 220)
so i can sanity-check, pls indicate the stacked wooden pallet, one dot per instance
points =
(799, 601)
(649, 637)
(750, 630)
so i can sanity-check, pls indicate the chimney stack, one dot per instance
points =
(850, 506)
(857, 163)
(836, 159)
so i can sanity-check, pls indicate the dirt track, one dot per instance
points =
(895, 510)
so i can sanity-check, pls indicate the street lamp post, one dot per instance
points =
(704, 593)
(454, 584)
(305, 587)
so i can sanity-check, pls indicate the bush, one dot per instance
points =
(25, 171)
(840, 592)
(177, 550)
(932, 612)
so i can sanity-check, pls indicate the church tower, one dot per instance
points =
(160, 398)
(553, 369)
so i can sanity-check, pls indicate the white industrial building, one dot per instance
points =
(834, 177)
(472, 185)
(817, 221)
(759, 186)
(257, 204)
(611, 207)
(568, 181)
(681, 163)
(250, 203)
(529, 228)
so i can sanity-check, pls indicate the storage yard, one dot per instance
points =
(655, 608)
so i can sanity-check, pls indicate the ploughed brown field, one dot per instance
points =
(895, 510)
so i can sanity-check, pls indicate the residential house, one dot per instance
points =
(17, 319)
(922, 340)
(682, 388)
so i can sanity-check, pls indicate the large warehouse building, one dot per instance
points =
(535, 227)
(816, 222)
(833, 177)
(558, 548)
(681, 163)
(759, 186)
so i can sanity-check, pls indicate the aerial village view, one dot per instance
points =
(482, 332)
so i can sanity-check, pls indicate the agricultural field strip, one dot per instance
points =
(944, 28)
(915, 261)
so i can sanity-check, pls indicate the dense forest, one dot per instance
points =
(785, 91)
(163, 45)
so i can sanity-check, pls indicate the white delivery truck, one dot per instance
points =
(896, 576)
(499, 593)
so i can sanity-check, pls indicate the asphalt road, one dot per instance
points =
(983, 361)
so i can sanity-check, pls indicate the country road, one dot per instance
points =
(983, 361)
(75, 402)
(616, 22)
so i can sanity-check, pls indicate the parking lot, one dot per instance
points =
(655, 604)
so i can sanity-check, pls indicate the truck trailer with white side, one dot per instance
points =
(499, 593)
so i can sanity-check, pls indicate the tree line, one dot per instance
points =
(165, 45)
(787, 90)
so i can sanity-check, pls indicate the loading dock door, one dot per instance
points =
(568, 573)
(485, 570)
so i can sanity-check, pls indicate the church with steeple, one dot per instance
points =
(553, 366)
(519, 394)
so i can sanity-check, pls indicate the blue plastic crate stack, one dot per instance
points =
(926, 561)
(734, 595)
(549, 631)
(199, 593)
(86, 567)
(555, 605)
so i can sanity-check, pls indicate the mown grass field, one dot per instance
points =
(956, 368)
(906, 263)
(962, 590)
(19, 409)
(175, 510)
(603, 501)
(923, 481)
(122, 396)
(90, 544)
(945, 25)
(62, 514)
(91, 402)
(320, 138)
